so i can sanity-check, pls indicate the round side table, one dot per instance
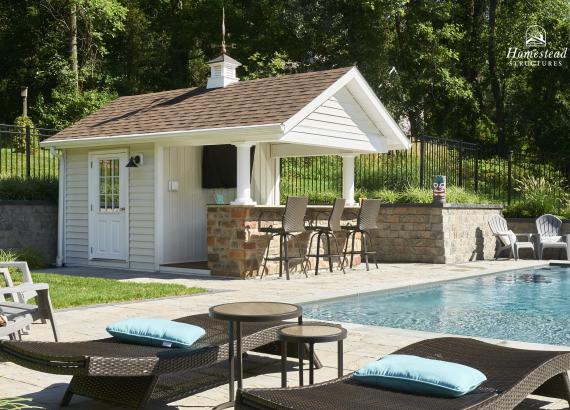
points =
(235, 314)
(309, 334)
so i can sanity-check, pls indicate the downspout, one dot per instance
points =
(59, 261)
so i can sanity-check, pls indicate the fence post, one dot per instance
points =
(510, 177)
(460, 179)
(28, 151)
(422, 161)
(476, 170)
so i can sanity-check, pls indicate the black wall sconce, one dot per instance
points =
(135, 161)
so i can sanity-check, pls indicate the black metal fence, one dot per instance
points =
(21, 155)
(488, 171)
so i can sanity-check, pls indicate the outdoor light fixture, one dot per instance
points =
(135, 161)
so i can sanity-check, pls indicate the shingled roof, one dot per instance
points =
(245, 103)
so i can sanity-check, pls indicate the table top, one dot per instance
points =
(256, 311)
(312, 333)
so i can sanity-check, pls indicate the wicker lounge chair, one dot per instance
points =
(135, 375)
(512, 375)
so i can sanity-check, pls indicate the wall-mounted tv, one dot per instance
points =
(219, 166)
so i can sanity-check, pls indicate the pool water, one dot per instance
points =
(530, 305)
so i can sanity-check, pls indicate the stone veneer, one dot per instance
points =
(407, 233)
(434, 233)
(29, 224)
(236, 247)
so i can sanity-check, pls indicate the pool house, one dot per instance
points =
(170, 181)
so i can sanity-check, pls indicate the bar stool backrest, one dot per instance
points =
(368, 215)
(294, 216)
(548, 225)
(336, 214)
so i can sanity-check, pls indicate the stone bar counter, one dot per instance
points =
(406, 233)
(236, 248)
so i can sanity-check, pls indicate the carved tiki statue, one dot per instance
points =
(438, 187)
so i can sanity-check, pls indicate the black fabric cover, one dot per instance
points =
(219, 164)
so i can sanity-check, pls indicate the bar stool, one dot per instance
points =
(367, 220)
(293, 221)
(328, 231)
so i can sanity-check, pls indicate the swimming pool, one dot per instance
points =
(530, 305)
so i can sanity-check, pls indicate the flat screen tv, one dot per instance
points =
(219, 166)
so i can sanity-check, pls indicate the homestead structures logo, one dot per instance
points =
(536, 53)
(535, 37)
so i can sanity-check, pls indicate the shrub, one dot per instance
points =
(539, 196)
(19, 138)
(35, 258)
(414, 195)
(386, 195)
(15, 188)
(323, 198)
(458, 195)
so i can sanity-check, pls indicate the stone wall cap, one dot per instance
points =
(529, 220)
(445, 206)
(274, 206)
(473, 206)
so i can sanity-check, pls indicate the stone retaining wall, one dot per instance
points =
(434, 234)
(29, 224)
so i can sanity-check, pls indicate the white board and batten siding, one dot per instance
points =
(141, 210)
(185, 209)
(340, 121)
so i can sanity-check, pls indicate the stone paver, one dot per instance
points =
(364, 343)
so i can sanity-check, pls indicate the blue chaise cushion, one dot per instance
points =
(156, 332)
(417, 375)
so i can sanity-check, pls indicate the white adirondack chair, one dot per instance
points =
(507, 239)
(18, 311)
(549, 229)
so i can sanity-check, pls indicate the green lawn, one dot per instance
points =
(70, 291)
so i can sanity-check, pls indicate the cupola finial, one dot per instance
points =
(223, 30)
(223, 67)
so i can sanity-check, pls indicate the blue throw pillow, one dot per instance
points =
(156, 332)
(417, 375)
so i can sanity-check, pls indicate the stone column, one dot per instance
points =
(243, 189)
(348, 178)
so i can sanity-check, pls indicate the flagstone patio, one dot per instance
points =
(364, 343)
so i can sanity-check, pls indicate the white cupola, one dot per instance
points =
(222, 71)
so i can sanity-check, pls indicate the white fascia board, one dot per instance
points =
(374, 143)
(319, 100)
(379, 115)
(209, 136)
(286, 150)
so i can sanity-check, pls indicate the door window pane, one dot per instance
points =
(109, 185)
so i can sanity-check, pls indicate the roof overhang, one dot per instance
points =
(213, 136)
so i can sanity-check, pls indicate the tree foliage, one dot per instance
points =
(439, 64)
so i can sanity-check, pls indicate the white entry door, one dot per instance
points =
(108, 220)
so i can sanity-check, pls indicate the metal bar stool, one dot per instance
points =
(293, 221)
(328, 232)
(367, 220)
